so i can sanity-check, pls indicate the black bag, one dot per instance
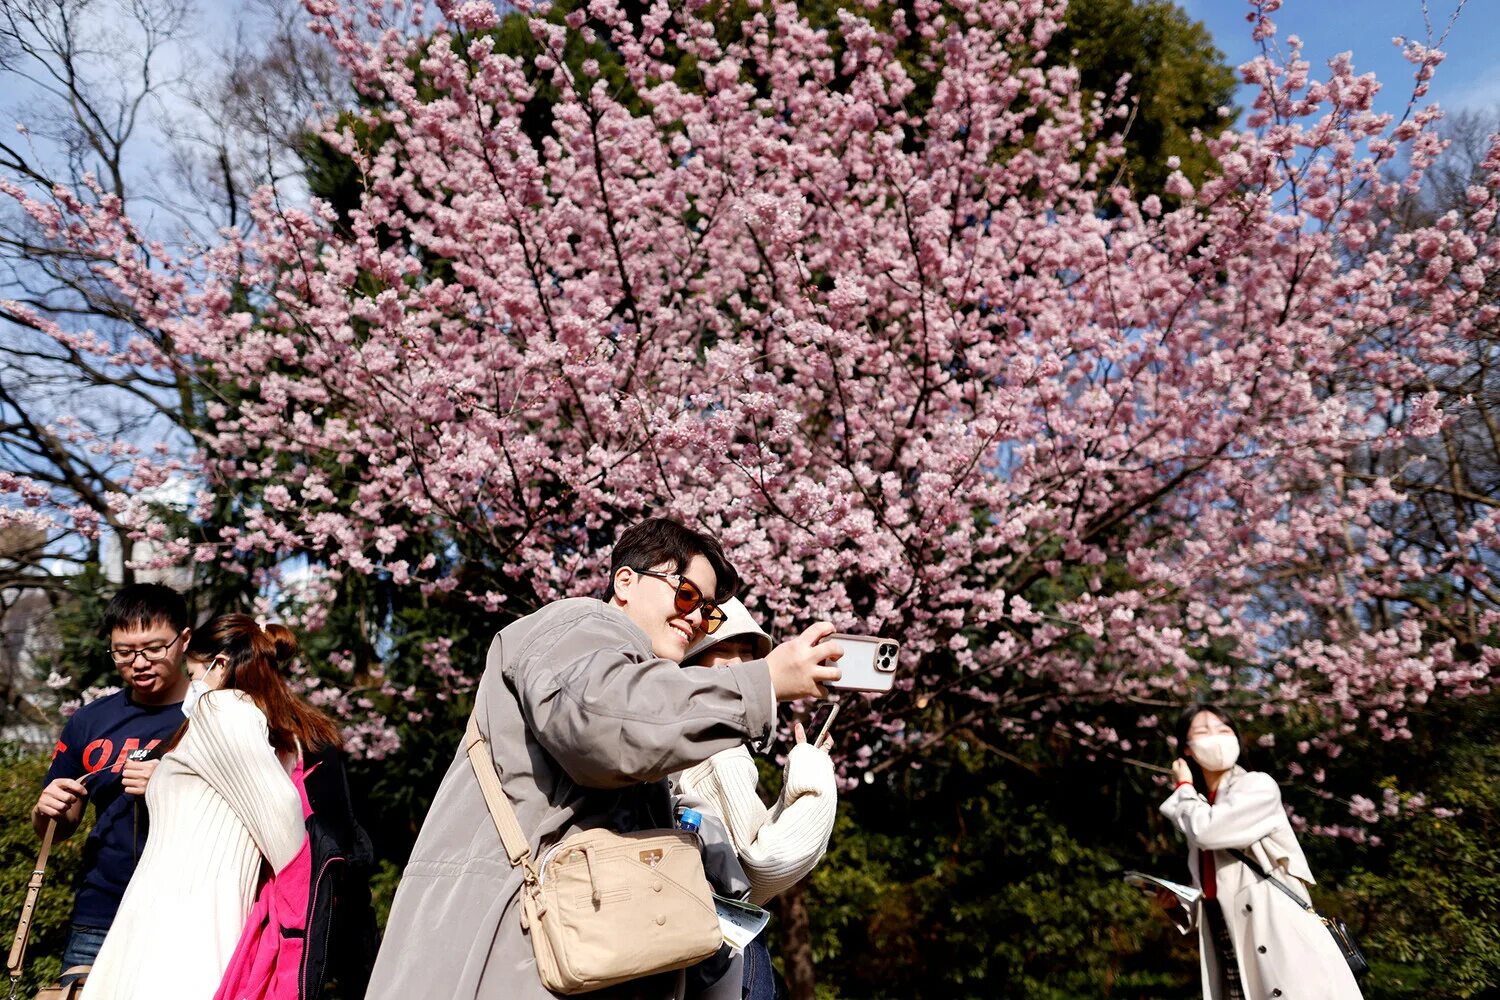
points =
(342, 938)
(1342, 936)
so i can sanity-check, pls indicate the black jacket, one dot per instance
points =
(341, 934)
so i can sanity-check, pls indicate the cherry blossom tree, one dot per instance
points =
(870, 300)
(129, 102)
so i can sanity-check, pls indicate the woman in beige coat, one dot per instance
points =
(1254, 940)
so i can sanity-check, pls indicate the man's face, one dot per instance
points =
(148, 679)
(651, 602)
(740, 649)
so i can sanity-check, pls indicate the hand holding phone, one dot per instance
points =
(822, 724)
(800, 667)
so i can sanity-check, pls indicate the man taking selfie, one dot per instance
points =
(585, 711)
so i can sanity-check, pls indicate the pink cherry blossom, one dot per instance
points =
(910, 347)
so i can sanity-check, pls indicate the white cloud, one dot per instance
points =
(1479, 94)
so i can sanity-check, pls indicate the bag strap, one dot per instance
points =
(17, 957)
(487, 772)
(1254, 866)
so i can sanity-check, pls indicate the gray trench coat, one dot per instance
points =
(585, 724)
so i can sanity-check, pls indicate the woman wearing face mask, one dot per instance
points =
(777, 847)
(222, 805)
(197, 670)
(1254, 940)
(342, 935)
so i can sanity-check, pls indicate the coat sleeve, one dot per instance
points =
(778, 847)
(613, 718)
(231, 751)
(726, 782)
(1248, 809)
(794, 837)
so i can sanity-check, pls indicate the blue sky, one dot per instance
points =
(1468, 79)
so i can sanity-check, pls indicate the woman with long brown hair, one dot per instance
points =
(222, 806)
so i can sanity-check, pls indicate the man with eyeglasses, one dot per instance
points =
(147, 625)
(586, 712)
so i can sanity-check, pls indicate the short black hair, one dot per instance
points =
(141, 605)
(658, 540)
(1185, 722)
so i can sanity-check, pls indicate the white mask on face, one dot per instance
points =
(197, 689)
(1217, 752)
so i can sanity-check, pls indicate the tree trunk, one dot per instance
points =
(795, 938)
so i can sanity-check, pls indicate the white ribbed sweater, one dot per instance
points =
(780, 845)
(219, 803)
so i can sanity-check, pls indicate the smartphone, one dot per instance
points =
(819, 724)
(868, 663)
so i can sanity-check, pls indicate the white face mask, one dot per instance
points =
(197, 689)
(1217, 752)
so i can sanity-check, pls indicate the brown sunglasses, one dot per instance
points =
(689, 599)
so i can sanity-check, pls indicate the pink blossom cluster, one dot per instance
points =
(890, 325)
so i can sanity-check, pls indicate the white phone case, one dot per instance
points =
(868, 664)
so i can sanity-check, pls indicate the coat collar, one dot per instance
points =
(1234, 774)
(638, 636)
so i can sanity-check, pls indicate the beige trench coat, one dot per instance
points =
(585, 724)
(1283, 951)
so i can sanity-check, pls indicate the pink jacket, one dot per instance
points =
(268, 962)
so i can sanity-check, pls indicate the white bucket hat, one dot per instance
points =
(738, 624)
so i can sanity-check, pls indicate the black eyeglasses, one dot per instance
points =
(154, 653)
(689, 599)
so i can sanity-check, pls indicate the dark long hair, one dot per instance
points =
(1185, 722)
(257, 658)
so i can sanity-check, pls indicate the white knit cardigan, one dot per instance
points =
(221, 804)
(779, 846)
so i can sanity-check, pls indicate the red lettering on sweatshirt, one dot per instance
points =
(97, 754)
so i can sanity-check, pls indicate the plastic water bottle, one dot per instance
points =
(690, 820)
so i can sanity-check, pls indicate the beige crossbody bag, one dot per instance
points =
(602, 907)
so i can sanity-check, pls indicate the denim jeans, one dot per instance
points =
(760, 978)
(82, 948)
